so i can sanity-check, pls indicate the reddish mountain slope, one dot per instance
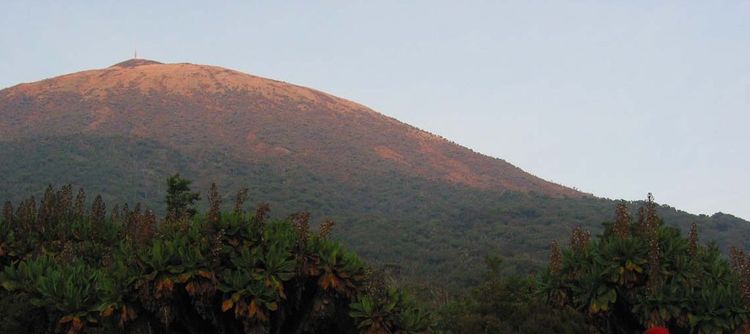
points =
(200, 110)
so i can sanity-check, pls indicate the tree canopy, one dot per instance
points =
(642, 274)
(180, 200)
(71, 269)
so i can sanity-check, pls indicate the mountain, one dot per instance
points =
(198, 109)
(400, 195)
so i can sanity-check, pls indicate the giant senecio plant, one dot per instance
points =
(643, 274)
(219, 272)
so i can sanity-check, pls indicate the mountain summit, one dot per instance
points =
(200, 109)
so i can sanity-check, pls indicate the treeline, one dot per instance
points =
(70, 268)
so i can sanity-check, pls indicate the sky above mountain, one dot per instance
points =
(617, 99)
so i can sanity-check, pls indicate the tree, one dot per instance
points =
(180, 200)
(643, 275)
(233, 273)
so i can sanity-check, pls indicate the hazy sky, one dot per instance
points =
(616, 98)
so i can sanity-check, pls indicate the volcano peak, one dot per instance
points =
(135, 62)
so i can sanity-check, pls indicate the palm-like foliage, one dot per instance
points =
(644, 274)
(215, 272)
(389, 311)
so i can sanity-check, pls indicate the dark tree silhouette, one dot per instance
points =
(180, 200)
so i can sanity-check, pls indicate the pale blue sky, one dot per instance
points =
(616, 98)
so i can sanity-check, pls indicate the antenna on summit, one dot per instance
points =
(135, 54)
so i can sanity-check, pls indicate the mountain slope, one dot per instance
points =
(198, 108)
(399, 195)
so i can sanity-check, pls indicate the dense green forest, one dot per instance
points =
(70, 265)
(421, 229)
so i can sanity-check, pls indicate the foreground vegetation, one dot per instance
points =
(69, 267)
(639, 274)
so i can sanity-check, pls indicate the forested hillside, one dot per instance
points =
(405, 198)
(421, 228)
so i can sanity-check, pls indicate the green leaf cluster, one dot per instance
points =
(77, 270)
(646, 274)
